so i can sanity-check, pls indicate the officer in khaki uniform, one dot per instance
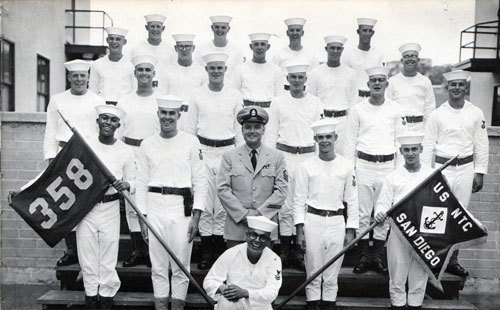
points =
(252, 179)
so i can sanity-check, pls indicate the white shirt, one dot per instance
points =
(180, 81)
(290, 120)
(79, 111)
(373, 129)
(450, 132)
(212, 114)
(360, 61)
(415, 94)
(112, 79)
(397, 184)
(325, 185)
(256, 81)
(235, 55)
(306, 55)
(141, 120)
(118, 158)
(164, 53)
(336, 87)
(262, 280)
(173, 162)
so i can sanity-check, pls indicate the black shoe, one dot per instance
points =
(133, 260)
(91, 302)
(67, 259)
(414, 308)
(378, 267)
(398, 307)
(360, 267)
(313, 305)
(457, 270)
(106, 302)
(328, 305)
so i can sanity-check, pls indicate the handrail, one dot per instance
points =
(105, 17)
(483, 28)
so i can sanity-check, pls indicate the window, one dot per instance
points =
(42, 83)
(7, 76)
(496, 106)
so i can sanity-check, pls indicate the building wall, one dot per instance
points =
(27, 259)
(45, 37)
(482, 83)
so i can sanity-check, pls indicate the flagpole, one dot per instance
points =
(127, 197)
(360, 236)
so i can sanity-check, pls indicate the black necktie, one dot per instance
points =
(253, 159)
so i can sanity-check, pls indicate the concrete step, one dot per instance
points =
(370, 284)
(75, 300)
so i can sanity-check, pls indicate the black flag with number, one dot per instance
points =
(432, 223)
(64, 193)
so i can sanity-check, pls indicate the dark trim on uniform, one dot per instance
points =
(130, 141)
(375, 158)
(295, 149)
(109, 198)
(262, 104)
(331, 113)
(216, 143)
(112, 102)
(324, 213)
(414, 119)
(456, 161)
(363, 93)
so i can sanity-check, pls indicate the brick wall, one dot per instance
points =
(27, 259)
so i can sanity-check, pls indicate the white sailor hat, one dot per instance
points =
(377, 71)
(110, 109)
(295, 21)
(184, 37)
(410, 47)
(77, 65)
(335, 39)
(116, 31)
(221, 19)
(169, 102)
(293, 67)
(367, 21)
(325, 125)
(155, 18)
(215, 57)
(261, 223)
(456, 75)
(137, 60)
(259, 36)
(411, 137)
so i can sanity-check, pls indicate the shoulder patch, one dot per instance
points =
(278, 275)
(200, 155)
(353, 180)
(484, 124)
(404, 120)
(285, 175)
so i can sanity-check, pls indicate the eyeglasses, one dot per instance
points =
(412, 56)
(252, 235)
(185, 47)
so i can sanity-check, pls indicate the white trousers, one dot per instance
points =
(324, 239)
(213, 218)
(166, 215)
(98, 236)
(285, 214)
(460, 179)
(370, 177)
(402, 267)
(130, 214)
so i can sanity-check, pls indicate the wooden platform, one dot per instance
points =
(370, 284)
(75, 300)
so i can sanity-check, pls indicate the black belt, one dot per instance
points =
(325, 213)
(262, 104)
(62, 143)
(331, 113)
(185, 192)
(112, 102)
(414, 119)
(375, 158)
(130, 141)
(456, 161)
(295, 149)
(216, 143)
(184, 108)
(109, 198)
(363, 93)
